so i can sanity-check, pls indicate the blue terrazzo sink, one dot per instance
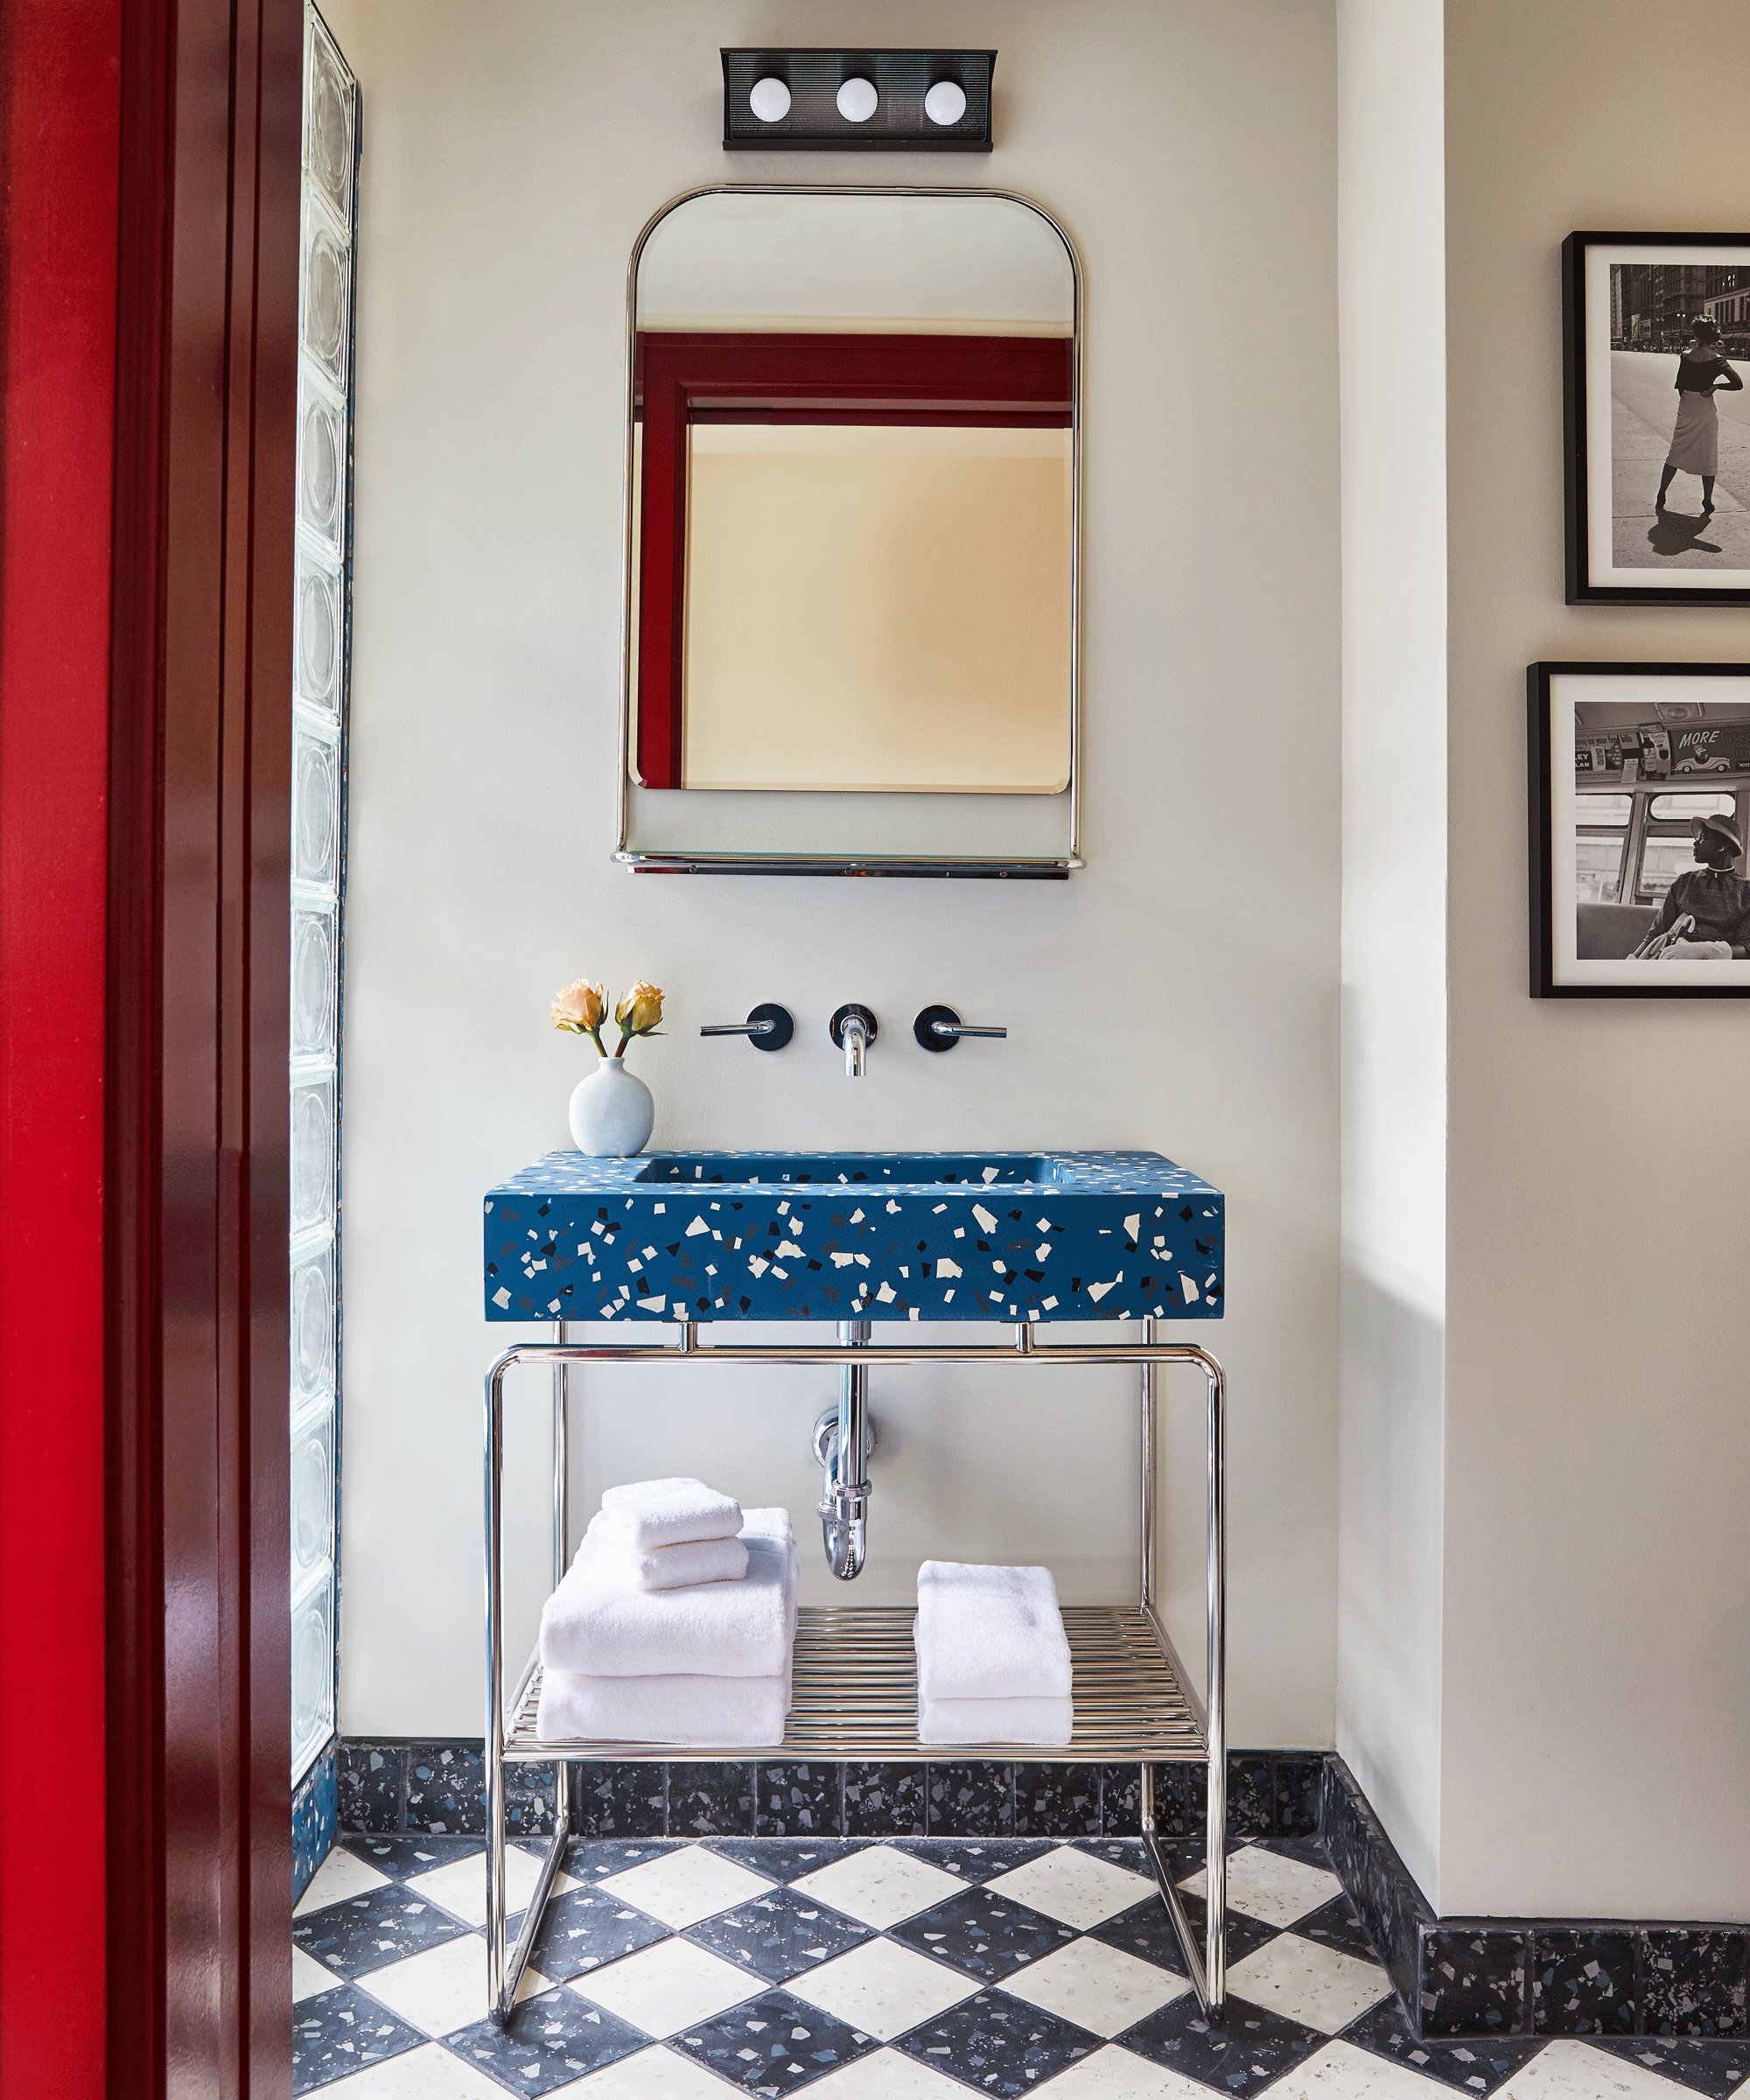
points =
(854, 1235)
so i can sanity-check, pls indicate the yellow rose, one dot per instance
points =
(639, 1012)
(580, 1009)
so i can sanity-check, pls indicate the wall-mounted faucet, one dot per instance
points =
(941, 1028)
(844, 1493)
(852, 1029)
(768, 1027)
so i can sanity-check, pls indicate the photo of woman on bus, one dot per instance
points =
(1702, 372)
(1704, 917)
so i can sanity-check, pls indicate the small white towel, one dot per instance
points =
(1045, 1722)
(989, 1634)
(680, 1567)
(599, 1623)
(670, 1512)
(742, 1713)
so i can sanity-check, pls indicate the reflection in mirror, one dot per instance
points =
(854, 485)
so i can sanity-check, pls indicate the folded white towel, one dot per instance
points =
(599, 1622)
(744, 1713)
(1046, 1722)
(989, 1634)
(671, 1512)
(680, 1567)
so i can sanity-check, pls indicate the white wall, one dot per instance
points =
(1596, 1659)
(1391, 299)
(1181, 994)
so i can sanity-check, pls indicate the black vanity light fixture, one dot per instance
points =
(893, 102)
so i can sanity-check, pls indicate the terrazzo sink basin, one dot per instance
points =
(854, 1235)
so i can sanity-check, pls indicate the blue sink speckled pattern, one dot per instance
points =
(870, 1235)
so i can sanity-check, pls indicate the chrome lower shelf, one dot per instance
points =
(856, 1697)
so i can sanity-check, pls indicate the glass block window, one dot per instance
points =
(321, 617)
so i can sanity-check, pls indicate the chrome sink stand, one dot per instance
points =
(855, 1674)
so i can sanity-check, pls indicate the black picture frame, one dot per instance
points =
(1588, 581)
(1559, 970)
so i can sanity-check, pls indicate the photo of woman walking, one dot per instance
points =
(1695, 442)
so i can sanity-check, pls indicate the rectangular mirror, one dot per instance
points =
(851, 533)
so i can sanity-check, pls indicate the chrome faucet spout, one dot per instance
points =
(856, 1043)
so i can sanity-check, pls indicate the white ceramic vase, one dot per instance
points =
(611, 1112)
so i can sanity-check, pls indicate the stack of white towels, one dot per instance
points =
(675, 1623)
(993, 1659)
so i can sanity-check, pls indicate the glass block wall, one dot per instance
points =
(319, 836)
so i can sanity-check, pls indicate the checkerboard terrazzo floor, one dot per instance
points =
(907, 1969)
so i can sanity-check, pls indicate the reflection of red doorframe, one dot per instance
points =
(683, 378)
(145, 671)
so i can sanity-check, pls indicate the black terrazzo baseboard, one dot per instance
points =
(1470, 1978)
(440, 1787)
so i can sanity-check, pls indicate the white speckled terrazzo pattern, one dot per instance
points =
(921, 1236)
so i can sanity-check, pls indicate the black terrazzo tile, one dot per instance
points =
(584, 1927)
(1251, 1794)
(773, 2043)
(403, 1856)
(784, 1860)
(530, 1796)
(594, 1858)
(886, 1801)
(1181, 1800)
(1249, 2048)
(1121, 1801)
(1245, 1935)
(1336, 1925)
(974, 1860)
(1298, 1783)
(1309, 1851)
(1474, 1982)
(1583, 1982)
(1692, 1981)
(1128, 1853)
(983, 1934)
(341, 2030)
(445, 1788)
(711, 1801)
(620, 1801)
(1057, 1801)
(973, 1800)
(999, 2044)
(1717, 2069)
(384, 1925)
(1473, 2067)
(778, 1936)
(372, 1780)
(798, 1801)
(547, 2042)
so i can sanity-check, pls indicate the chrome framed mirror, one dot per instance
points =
(852, 503)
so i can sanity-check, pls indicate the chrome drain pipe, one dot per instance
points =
(842, 1445)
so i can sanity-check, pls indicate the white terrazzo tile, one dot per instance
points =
(888, 2074)
(654, 2074)
(882, 1989)
(1302, 1980)
(428, 2073)
(443, 1988)
(1341, 2071)
(460, 1888)
(681, 1887)
(1114, 2074)
(667, 1987)
(1073, 1887)
(308, 1977)
(339, 1877)
(1101, 1988)
(878, 1887)
(1574, 2070)
(1270, 1887)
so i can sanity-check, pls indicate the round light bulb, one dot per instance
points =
(857, 101)
(769, 99)
(946, 103)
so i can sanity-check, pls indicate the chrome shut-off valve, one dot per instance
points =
(844, 1484)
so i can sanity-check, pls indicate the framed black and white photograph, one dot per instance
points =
(1640, 809)
(1656, 338)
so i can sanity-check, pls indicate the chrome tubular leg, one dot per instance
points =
(562, 1542)
(1217, 1844)
(1147, 1591)
(498, 2001)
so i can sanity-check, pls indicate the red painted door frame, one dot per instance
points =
(150, 279)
